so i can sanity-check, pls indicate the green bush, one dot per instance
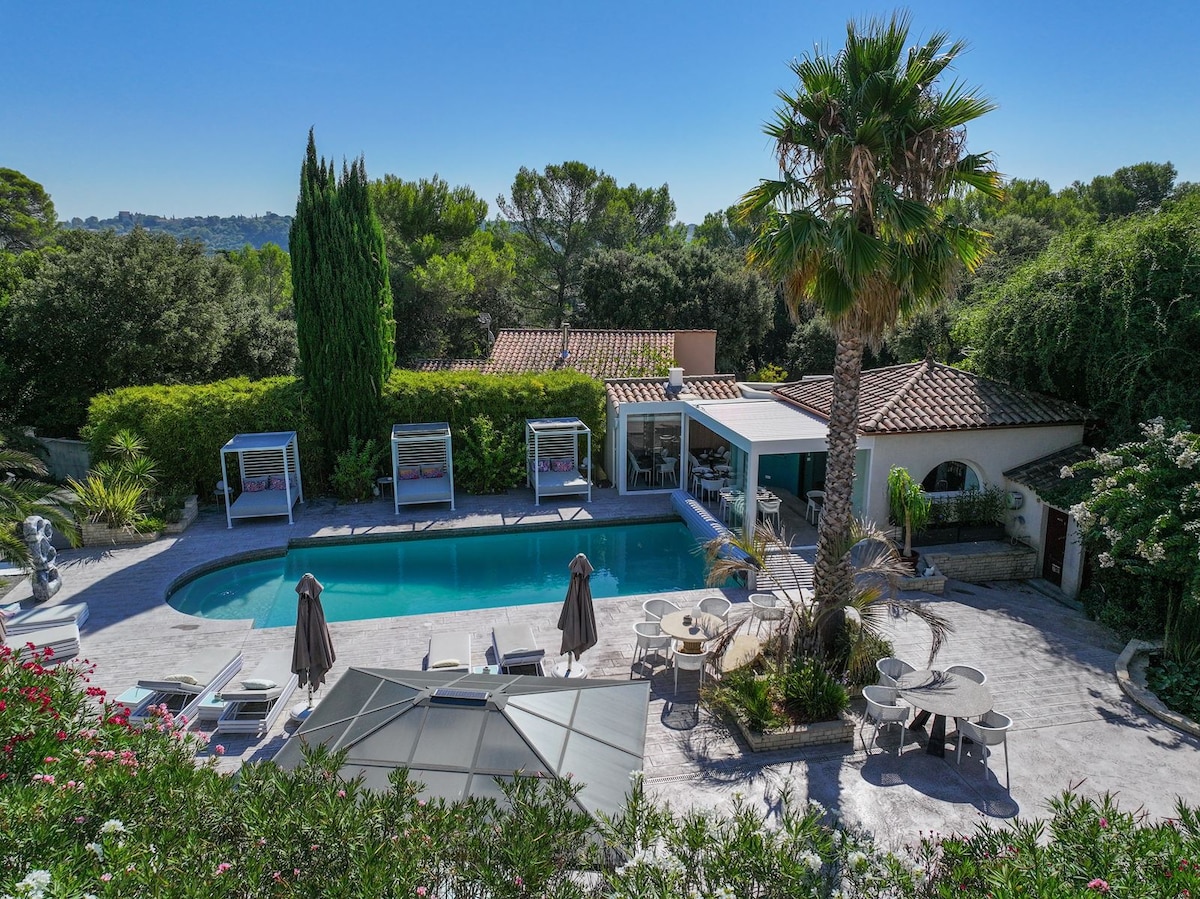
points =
(92, 805)
(355, 470)
(811, 693)
(751, 696)
(488, 460)
(184, 427)
(1177, 684)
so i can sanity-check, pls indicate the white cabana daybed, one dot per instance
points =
(552, 457)
(422, 464)
(269, 475)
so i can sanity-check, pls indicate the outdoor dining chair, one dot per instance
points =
(715, 605)
(656, 609)
(769, 508)
(885, 709)
(816, 502)
(765, 607)
(668, 468)
(649, 639)
(971, 674)
(637, 470)
(991, 730)
(710, 488)
(689, 661)
(891, 670)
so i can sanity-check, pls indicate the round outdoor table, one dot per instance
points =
(944, 696)
(703, 628)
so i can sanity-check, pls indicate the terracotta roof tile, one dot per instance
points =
(654, 390)
(1042, 474)
(929, 396)
(447, 364)
(600, 354)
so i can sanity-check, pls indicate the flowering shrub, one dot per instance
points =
(1142, 521)
(1087, 848)
(90, 806)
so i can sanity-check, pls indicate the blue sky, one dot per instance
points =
(203, 109)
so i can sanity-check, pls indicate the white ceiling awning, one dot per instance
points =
(764, 427)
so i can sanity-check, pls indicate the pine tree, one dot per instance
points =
(343, 299)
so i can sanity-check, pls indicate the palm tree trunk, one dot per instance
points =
(831, 578)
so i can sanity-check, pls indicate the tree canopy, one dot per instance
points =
(344, 325)
(27, 218)
(114, 310)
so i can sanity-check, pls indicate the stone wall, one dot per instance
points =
(978, 563)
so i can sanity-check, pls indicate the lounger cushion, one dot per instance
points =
(258, 683)
(515, 644)
(449, 651)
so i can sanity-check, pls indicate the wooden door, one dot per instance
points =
(1055, 546)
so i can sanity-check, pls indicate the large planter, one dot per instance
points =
(191, 508)
(958, 533)
(934, 583)
(820, 733)
(94, 534)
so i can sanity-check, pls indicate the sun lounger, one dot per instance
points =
(62, 641)
(515, 647)
(190, 684)
(449, 652)
(22, 621)
(250, 705)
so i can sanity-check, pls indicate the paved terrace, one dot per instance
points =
(1049, 667)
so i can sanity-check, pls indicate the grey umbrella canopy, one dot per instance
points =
(577, 621)
(312, 653)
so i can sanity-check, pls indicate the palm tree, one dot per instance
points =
(22, 495)
(869, 151)
(873, 560)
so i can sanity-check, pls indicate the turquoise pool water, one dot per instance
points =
(446, 574)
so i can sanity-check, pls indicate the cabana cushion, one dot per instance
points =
(410, 474)
(432, 471)
(254, 485)
(276, 482)
(561, 465)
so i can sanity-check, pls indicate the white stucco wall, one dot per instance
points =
(989, 452)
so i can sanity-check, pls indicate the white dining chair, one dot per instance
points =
(816, 502)
(649, 638)
(769, 508)
(656, 609)
(991, 730)
(971, 674)
(710, 488)
(689, 661)
(637, 470)
(668, 468)
(715, 605)
(885, 709)
(765, 607)
(891, 670)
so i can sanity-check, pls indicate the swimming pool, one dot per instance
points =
(448, 573)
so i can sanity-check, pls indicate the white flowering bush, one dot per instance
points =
(1141, 520)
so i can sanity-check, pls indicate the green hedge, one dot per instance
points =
(185, 426)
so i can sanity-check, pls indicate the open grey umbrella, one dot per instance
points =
(577, 621)
(312, 653)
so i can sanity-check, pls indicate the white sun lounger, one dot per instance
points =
(253, 709)
(449, 652)
(515, 645)
(62, 641)
(187, 689)
(22, 621)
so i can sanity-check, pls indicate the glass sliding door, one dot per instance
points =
(652, 451)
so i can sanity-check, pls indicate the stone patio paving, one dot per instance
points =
(1049, 668)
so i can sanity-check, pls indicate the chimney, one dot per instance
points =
(566, 341)
(675, 379)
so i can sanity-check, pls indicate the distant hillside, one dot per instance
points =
(214, 231)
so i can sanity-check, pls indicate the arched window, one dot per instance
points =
(951, 477)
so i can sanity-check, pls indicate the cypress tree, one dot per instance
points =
(343, 299)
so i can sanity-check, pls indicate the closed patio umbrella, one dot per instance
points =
(312, 653)
(577, 621)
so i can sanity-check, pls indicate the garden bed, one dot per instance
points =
(94, 534)
(819, 733)
(191, 508)
(1131, 676)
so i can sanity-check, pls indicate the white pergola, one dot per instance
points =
(271, 454)
(760, 427)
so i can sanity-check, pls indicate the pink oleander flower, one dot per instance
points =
(421, 891)
(222, 868)
(277, 877)
(517, 881)
(219, 749)
(1099, 885)
(1103, 823)
(106, 877)
(341, 794)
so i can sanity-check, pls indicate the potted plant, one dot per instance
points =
(910, 507)
(113, 500)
